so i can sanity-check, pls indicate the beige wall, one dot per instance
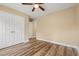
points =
(13, 11)
(78, 17)
(61, 26)
(78, 23)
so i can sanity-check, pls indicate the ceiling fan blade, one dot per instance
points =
(33, 9)
(27, 3)
(40, 3)
(41, 8)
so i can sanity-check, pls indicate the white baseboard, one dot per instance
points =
(59, 43)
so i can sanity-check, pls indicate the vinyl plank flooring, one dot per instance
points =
(38, 48)
(35, 49)
(43, 51)
(69, 52)
(52, 50)
(26, 49)
(75, 52)
(60, 51)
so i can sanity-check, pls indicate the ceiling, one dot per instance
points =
(49, 7)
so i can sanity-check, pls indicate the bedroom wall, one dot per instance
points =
(13, 27)
(78, 23)
(61, 26)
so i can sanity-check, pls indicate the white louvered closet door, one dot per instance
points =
(11, 29)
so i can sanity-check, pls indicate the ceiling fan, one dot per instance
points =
(35, 6)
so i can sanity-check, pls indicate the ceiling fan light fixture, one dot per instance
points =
(36, 5)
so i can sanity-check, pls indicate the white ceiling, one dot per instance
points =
(49, 7)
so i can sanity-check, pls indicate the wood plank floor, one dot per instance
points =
(38, 48)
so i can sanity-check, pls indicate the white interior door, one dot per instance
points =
(30, 29)
(11, 29)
